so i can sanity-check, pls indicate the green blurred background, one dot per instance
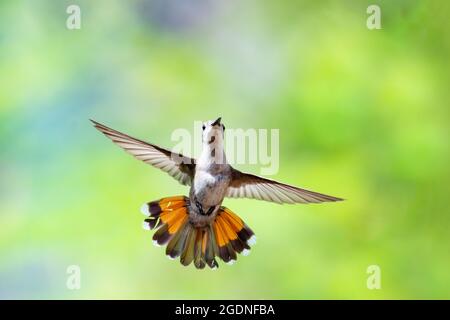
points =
(363, 114)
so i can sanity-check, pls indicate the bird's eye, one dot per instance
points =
(223, 127)
(203, 127)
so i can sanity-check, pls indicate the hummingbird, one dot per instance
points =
(197, 228)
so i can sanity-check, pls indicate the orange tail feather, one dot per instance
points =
(226, 237)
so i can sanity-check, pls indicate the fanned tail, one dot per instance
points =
(225, 238)
(232, 235)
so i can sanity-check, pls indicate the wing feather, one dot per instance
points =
(244, 185)
(178, 166)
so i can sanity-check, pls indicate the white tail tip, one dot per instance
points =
(252, 240)
(145, 211)
(145, 225)
(156, 244)
(245, 252)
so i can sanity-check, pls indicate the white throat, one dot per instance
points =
(213, 152)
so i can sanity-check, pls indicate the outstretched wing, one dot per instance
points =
(244, 185)
(178, 166)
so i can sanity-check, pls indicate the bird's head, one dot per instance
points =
(213, 131)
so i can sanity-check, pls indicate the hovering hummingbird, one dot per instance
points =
(198, 228)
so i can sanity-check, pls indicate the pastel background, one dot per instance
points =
(362, 114)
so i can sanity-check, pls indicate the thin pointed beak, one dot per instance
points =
(217, 122)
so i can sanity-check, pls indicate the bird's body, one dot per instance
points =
(198, 228)
(210, 183)
(207, 193)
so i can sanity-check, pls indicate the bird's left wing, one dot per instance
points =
(178, 166)
(244, 185)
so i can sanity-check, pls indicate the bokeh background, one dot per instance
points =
(362, 114)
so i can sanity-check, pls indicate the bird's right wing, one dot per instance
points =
(178, 166)
(245, 185)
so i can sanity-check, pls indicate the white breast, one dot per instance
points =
(203, 180)
(211, 178)
(209, 189)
